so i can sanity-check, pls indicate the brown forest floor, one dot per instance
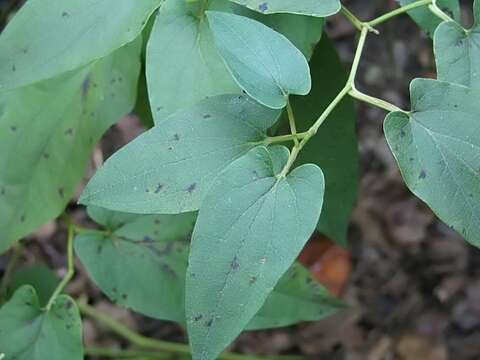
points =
(414, 286)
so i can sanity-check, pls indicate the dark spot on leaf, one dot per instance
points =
(309, 280)
(65, 14)
(157, 221)
(198, 317)
(263, 7)
(69, 131)
(235, 265)
(159, 108)
(253, 280)
(68, 326)
(113, 81)
(68, 305)
(147, 239)
(61, 192)
(114, 290)
(124, 297)
(411, 159)
(191, 188)
(13, 128)
(2, 191)
(158, 188)
(99, 249)
(168, 270)
(423, 174)
(208, 323)
(176, 137)
(22, 218)
(14, 68)
(120, 79)
(85, 87)
(28, 303)
(207, 116)
(402, 133)
(46, 155)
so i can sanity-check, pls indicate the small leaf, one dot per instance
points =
(263, 62)
(296, 297)
(50, 37)
(318, 8)
(47, 133)
(429, 21)
(43, 280)
(142, 265)
(438, 150)
(28, 332)
(251, 227)
(335, 147)
(457, 52)
(195, 69)
(169, 168)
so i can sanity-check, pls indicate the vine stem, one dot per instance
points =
(143, 341)
(399, 11)
(435, 9)
(291, 121)
(70, 268)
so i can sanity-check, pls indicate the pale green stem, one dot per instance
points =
(435, 9)
(399, 11)
(356, 22)
(374, 101)
(70, 268)
(291, 121)
(143, 341)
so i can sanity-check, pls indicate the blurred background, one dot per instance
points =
(413, 284)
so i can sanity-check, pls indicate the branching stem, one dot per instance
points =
(70, 268)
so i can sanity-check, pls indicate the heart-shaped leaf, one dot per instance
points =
(457, 52)
(143, 262)
(437, 147)
(50, 37)
(250, 228)
(168, 169)
(263, 62)
(28, 332)
(318, 8)
(196, 70)
(47, 133)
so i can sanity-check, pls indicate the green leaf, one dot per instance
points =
(296, 297)
(47, 133)
(43, 279)
(169, 168)
(429, 21)
(142, 265)
(250, 228)
(302, 7)
(335, 147)
(196, 70)
(457, 52)
(50, 37)
(27, 332)
(437, 149)
(263, 62)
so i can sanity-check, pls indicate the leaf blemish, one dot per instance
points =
(14, 68)
(198, 317)
(69, 131)
(61, 192)
(65, 14)
(253, 280)
(423, 174)
(191, 188)
(158, 188)
(176, 137)
(46, 155)
(22, 218)
(13, 128)
(85, 87)
(209, 323)
(235, 265)
(207, 116)
(263, 7)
